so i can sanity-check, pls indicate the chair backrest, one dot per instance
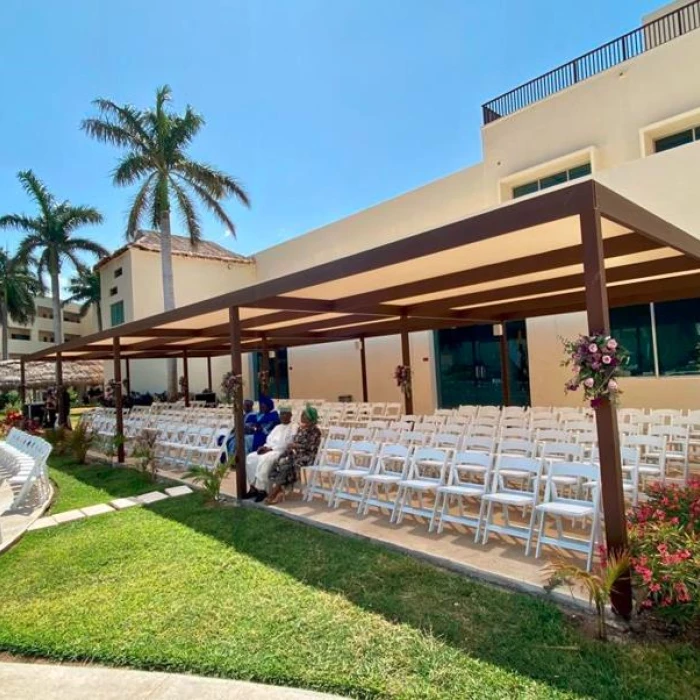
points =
(428, 464)
(333, 452)
(338, 432)
(470, 466)
(446, 440)
(414, 437)
(479, 443)
(526, 448)
(361, 434)
(585, 472)
(387, 436)
(393, 460)
(551, 435)
(523, 433)
(361, 455)
(562, 451)
(483, 430)
(529, 466)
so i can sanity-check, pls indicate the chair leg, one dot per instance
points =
(540, 531)
(489, 513)
(532, 525)
(436, 506)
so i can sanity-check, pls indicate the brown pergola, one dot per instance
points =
(581, 247)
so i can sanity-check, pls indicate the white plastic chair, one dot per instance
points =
(359, 463)
(390, 467)
(426, 472)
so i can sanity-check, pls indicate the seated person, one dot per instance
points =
(250, 418)
(259, 463)
(301, 453)
(266, 420)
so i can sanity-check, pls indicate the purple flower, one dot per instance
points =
(592, 348)
(595, 365)
(607, 359)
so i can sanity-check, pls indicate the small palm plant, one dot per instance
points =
(209, 479)
(145, 452)
(598, 585)
(79, 441)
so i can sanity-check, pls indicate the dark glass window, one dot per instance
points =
(20, 336)
(117, 313)
(631, 326)
(118, 272)
(675, 140)
(678, 336)
(551, 180)
(113, 291)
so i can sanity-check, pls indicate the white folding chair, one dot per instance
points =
(359, 463)
(329, 459)
(390, 468)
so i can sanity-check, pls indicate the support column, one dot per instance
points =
(59, 390)
(406, 361)
(128, 375)
(186, 376)
(363, 369)
(606, 414)
(234, 320)
(118, 403)
(278, 376)
(210, 380)
(22, 384)
(265, 367)
(505, 365)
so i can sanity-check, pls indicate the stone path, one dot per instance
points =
(111, 507)
(21, 681)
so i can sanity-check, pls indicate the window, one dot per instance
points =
(71, 317)
(113, 291)
(678, 139)
(20, 335)
(631, 326)
(44, 312)
(678, 336)
(118, 272)
(552, 180)
(45, 337)
(117, 313)
(71, 336)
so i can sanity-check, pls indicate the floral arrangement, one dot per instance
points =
(15, 419)
(402, 375)
(232, 388)
(665, 551)
(264, 381)
(597, 362)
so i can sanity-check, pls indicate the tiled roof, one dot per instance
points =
(181, 245)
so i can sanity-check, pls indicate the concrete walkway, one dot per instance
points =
(28, 681)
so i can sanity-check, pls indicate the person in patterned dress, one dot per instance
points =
(301, 453)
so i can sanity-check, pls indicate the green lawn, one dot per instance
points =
(79, 485)
(242, 593)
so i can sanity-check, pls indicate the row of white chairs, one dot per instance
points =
(23, 465)
(427, 482)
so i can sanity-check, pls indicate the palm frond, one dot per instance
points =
(188, 212)
(213, 206)
(20, 222)
(141, 202)
(73, 217)
(131, 168)
(85, 245)
(183, 130)
(121, 125)
(216, 182)
(36, 189)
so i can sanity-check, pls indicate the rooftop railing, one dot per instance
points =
(655, 33)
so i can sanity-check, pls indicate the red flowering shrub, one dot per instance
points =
(665, 551)
(15, 419)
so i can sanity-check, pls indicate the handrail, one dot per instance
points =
(657, 32)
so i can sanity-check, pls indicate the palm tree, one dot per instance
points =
(85, 289)
(49, 238)
(156, 142)
(18, 287)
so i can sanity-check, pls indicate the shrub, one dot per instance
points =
(57, 437)
(209, 479)
(665, 552)
(145, 452)
(79, 441)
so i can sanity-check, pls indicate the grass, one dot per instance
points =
(242, 593)
(80, 485)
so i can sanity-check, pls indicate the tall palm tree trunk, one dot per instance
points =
(57, 308)
(5, 332)
(166, 257)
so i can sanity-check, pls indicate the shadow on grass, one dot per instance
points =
(79, 485)
(529, 636)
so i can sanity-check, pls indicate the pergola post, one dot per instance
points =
(277, 374)
(59, 389)
(210, 380)
(265, 366)
(118, 403)
(22, 384)
(406, 361)
(505, 365)
(186, 377)
(237, 370)
(606, 414)
(363, 369)
(128, 375)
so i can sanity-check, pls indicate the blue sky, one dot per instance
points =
(320, 107)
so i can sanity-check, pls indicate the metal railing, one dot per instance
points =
(657, 32)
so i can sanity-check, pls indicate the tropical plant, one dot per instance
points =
(145, 452)
(209, 479)
(84, 289)
(599, 585)
(18, 287)
(56, 437)
(50, 240)
(79, 441)
(156, 142)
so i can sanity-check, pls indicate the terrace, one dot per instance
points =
(650, 35)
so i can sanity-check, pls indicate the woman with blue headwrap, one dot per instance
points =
(267, 419)
(301, 453)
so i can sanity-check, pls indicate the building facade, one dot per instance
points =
(28, 338)
(629, 117)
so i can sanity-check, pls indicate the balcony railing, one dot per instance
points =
(659, 31)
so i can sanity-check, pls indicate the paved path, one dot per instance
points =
(27, 681)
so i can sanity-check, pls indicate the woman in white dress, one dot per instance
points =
(259, 464)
